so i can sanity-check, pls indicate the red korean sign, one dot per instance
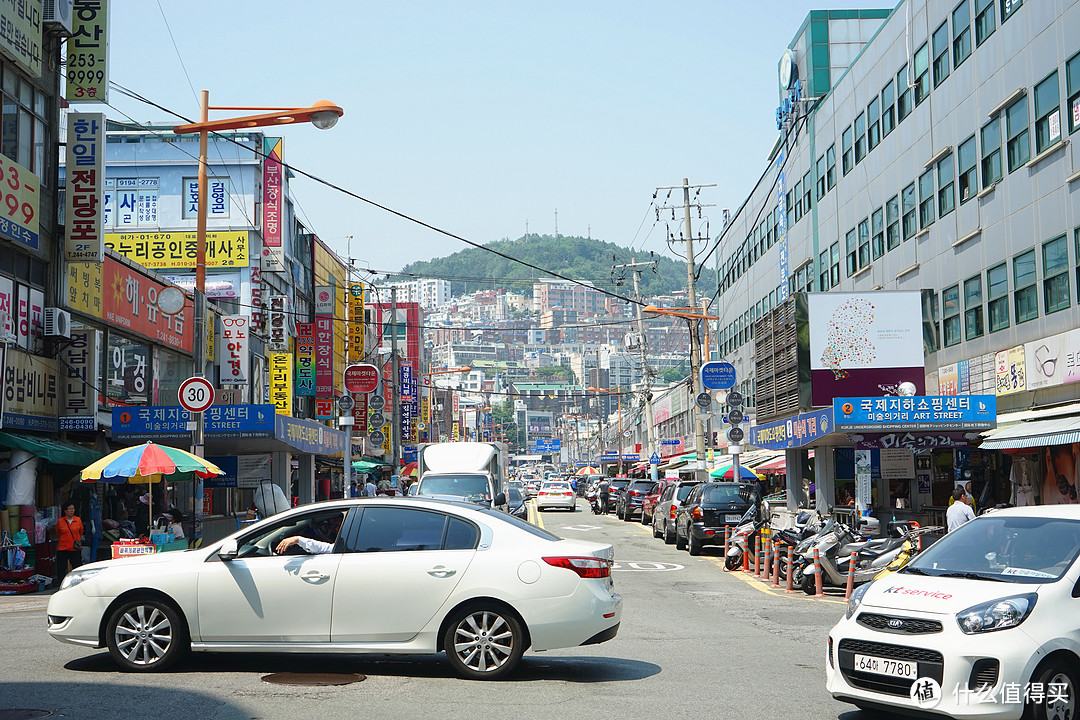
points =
(361, 378)
(324, 408)
(130, 303)
(324, 355)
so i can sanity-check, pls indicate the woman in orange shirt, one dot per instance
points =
(69, 532)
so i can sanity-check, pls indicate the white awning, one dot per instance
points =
(1035, 433)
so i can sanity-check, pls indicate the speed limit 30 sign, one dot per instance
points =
(196, 394)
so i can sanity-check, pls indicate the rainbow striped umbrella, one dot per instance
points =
(147, 463)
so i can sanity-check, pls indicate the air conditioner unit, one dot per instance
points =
(56, 323)
(57, 15)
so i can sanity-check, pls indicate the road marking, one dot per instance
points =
(647, 566)
(582, 528)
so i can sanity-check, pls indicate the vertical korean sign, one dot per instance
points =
(83, 207)
(781, 211)
(305, 359)
(281, 382)
(408, 402)
(233, 352)
(273, 252)
(81, 362)
(88, 52)
(324, 341)
(356, 322)
(278, 323)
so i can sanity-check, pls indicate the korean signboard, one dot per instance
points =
(20, 33)
(794, 432)
(219, 285)
(131, 303)
(130, 202)
(1010, 369)
(934, 412)
(19, 197)
(256, 295)
(29, 304)
(324, 300)
(278, 325)
(88, 52)
(31, 387)
(233, 349)
(83, 209)
(176, 250)
(84, 293)
(324, 408)
(356, 322)
(241, 471)
(305, 359)
(217, 198)
(273, 252)
(324, 341)
(81, 361)
(409, 405)
(281, 375)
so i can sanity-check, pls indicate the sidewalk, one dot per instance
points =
(28, 601)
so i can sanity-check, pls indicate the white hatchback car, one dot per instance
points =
(556, 495)
(990, 614)
(434, 576)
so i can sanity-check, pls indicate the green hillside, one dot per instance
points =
(576, 258)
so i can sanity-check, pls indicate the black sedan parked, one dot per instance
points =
(615, 488)
(629, 502)
(707, 510)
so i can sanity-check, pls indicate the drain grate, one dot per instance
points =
(19, 714)
(289, 678)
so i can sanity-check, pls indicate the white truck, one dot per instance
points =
(469, 471)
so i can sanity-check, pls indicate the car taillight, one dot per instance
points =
(634, 492)
(543, 492)
(696, 513)
(586, 567)
(672, 512)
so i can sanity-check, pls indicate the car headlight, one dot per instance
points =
(996, 614)
(76, 577)
(856, 600)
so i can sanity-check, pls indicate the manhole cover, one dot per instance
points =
(287, 678)
(23, 714)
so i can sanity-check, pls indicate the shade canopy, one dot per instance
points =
(727, 472)
(142, 462)
(587, 470)
(54, 450)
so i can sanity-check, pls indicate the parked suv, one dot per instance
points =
(667, 507)
(629, 502)
(707, 511)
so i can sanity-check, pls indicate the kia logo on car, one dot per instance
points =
(896, 624)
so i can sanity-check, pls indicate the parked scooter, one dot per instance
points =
(911, 547)
(749, 525)
(834, 555)
(808, 524)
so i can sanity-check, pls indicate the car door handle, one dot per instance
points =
(315, 576)
(440, 571)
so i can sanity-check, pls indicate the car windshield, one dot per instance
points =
(473, 487)
(720, 493)
(1029, 550)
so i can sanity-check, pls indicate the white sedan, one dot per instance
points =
(983, 623)
(555, 495)
(433, 576)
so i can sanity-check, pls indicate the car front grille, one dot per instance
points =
(901, 625)
(930, 664)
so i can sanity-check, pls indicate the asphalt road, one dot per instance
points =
(695, 642)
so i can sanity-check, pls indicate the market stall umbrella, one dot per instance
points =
(149, 463)
(726, 472)
(409, 469)
(587, 471)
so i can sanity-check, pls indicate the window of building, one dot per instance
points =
(860, 137)
(946, 194)
(907, 197)
(864, 243)
(798, 201)
(991, 152)
(926, 199)
(1025, 295)
(847, 152)
(820, 177)
(961, 33)
(1047, 113)
(888, 109)
(903, 95)
(973, 309)
(1008, 9)
(985, 20)
(966, 154)
(808, 191)
(852, 248)
(1055, 257)
(1072, 78)
(997, 294)
(950, 305)
(873, 135)
(1017, 147)
(823, 277)
(24, 122)
(922, 73)
(892, 223)
(830, 161)
(940, 40)
(834, 267)
(877, 220)
(789, 210)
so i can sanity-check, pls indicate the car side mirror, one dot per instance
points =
(228, 550)
(500, 499)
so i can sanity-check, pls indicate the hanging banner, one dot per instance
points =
(408, 402)
(305, 359)
(83, 207)
(356, 322)
(87, 52)
(81, 371)
(273, 252)
(178, 250)
(863, 476)
(211, 335)
(278, 325)
(281, 382)
(233, 354)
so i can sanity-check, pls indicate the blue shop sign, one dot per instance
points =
(309, 437)
(609, 457)
(717, 375)
(929, 412)
(631, 457)
(794, 432)
(222, 421)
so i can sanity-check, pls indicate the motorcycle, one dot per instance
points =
(807, 525)
(749, 525)
(834, 556)
(911, 547)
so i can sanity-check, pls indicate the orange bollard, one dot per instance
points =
(776, 567)
(757, 558)
(817, 575)
(767, 571)
(850, 577)
(790, 573)
(746, 556)
(727, 536)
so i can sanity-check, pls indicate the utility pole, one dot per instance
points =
(395, 383)
(646, 373)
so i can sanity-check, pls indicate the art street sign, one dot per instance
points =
(930, 412)
(717, 375)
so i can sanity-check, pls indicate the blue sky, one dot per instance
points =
(478, 117)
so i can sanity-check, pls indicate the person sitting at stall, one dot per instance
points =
(176, 523)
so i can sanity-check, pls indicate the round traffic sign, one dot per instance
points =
(703, 400)
(376, 420)
(345, 402)
(734, 398)
(735, 416)
(421, 426)
(376, 402)
(376, 437)
(196, 394)
(735, 434)
(626, 433)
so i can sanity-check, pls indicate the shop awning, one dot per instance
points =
(1035, 433)
(778, 465)
(54, 450)
(368, 466)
